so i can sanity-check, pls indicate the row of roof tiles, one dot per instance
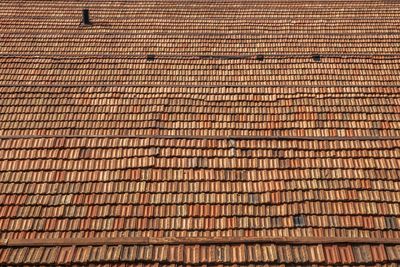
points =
(257, 104)
(204, 202)
(185, 211)
(198, 72)
(220, 190)
(79, 122)
(200, 175)
(199, 163)
(200, 142)
(107, 153)
(180, 217)
(238, 92)
(317, 133)
(174, 45)
(214, 121)
(201, 254)
(299, 232)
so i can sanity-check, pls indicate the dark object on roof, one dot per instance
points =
(254, 198)
(298, 221)
(85, 18)
(151, 57)
(391, 222)
(316, 58)
(260, 57)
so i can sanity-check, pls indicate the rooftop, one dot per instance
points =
(199, 132)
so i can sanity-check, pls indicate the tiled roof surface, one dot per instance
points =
(283, 71)
(98, 187)
(207, 255)
(163, 110)
(262, 133)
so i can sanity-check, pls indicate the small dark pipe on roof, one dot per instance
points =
(151, 57)
(85, 18)
(260, 57)
(316, 57)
